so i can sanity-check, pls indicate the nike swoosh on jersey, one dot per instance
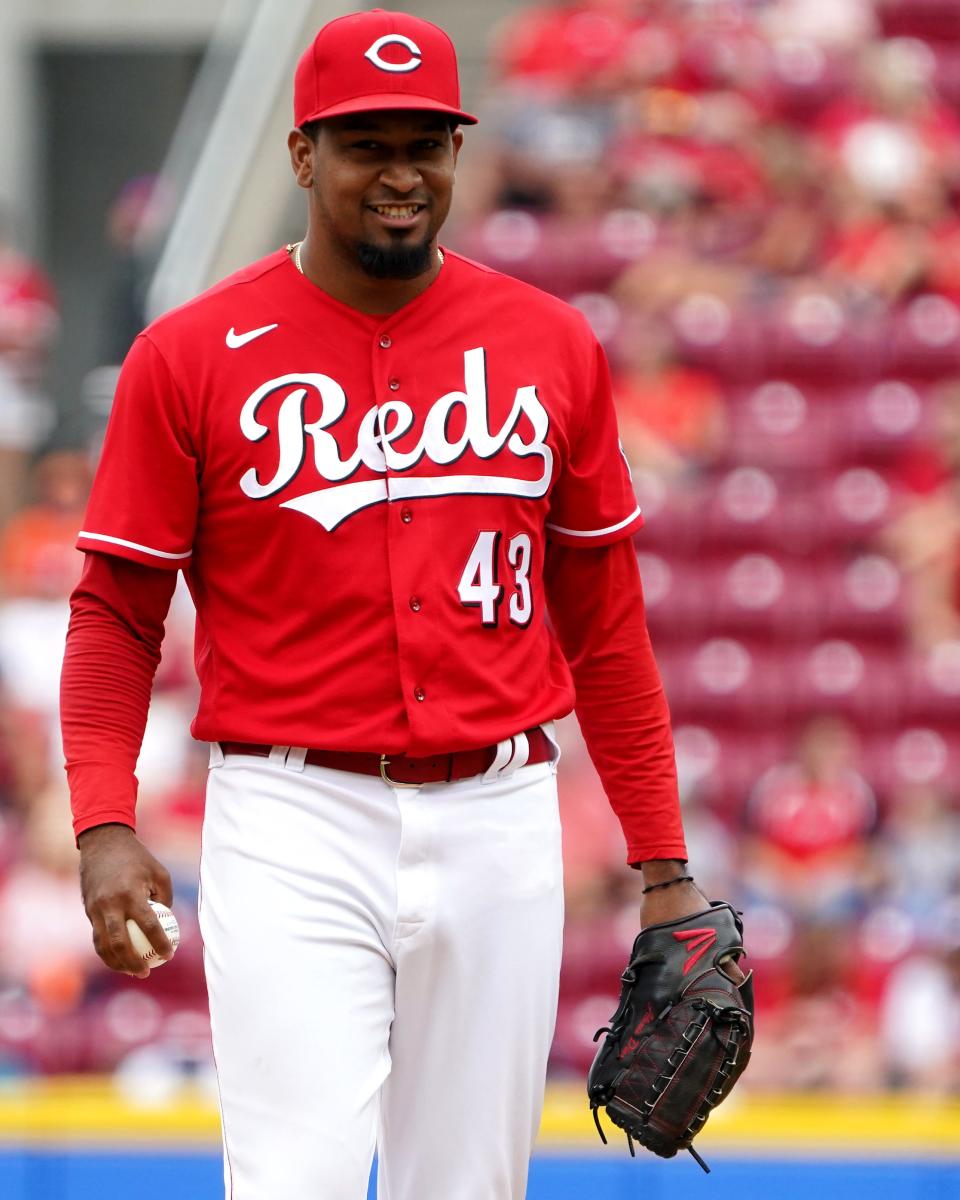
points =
(236, 340)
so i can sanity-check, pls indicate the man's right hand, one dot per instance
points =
(118, 875)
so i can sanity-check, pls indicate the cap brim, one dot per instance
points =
(393, 101)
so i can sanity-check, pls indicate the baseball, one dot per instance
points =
(139, 939)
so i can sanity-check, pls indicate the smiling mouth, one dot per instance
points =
(400, 214)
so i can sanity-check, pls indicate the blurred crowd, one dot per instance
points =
(757, 206)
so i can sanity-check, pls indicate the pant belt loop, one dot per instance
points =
(278, 754)
(550, 731)
(216, 754)
(296, 757)
(500, 760)
(521, 753)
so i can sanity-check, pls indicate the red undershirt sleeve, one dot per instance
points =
(596, 604)
(117, 612)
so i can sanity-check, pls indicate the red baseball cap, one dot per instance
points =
(375, 60)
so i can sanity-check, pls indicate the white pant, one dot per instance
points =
(382, 965)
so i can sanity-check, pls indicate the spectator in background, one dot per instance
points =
(568, 47)
(672, 417)
(28, 324)
(44, 940)
(40, 564)
(924, 538)
(917, 854)
(38, 553)
(124, 316)
(840, 24)
(791, 234)
(889, 135)
(920, 1021)
(809, 821)
(820, 1036)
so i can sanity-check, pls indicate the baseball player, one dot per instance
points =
(380, 467)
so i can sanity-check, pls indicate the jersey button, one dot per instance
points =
(415, 603)
(386, 341)
(406, 515)
(394, 385)
(419, 694)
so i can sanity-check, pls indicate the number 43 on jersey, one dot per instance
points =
(480, 585)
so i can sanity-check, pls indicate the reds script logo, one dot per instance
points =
(379, 429)
(394, 39)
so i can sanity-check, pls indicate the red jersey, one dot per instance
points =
(360, 504)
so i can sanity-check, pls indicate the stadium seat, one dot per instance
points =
(917, 755)
(858, 680)
(578, 1019)
(933, 691)
(672, 513)
(878, 424)
(804, 78)
(863, 597)
(760, 595)
(713, 335)
(726, 680)
(674, 594)
(811, 336)
(594, 951)
(511, 240)
(928, 20)
(561, 255)
(749, 508)
(776, 426)
(925, 339)
(946, 71)
(852, 505)
(720, 763)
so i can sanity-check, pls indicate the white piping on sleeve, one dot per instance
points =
(115, 541)
(592, 533)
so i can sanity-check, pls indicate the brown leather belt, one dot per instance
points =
(403, 771)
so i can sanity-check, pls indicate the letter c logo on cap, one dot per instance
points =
(390, 39)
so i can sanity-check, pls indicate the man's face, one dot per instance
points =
(382, 185)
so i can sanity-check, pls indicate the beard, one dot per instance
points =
(395, 262)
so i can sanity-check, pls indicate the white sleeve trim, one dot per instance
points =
(115, 541)
(591, 533)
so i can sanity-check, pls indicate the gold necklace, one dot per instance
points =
(295, 248)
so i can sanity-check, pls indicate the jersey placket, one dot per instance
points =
(409, 549)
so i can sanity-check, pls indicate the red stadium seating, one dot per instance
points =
(812, 337)
(927, 19)
(853, 505)
(776, 425)
(932, 694)
(805, 78)
(857, 680)
(863, 597)
(876, 425)
(750, 508)
(914, 756)
(758, 595)
(714, 336)
(674, 595)
(947, 70)
(720, 762)
(726, 680)
(672, 513)
(925, 339)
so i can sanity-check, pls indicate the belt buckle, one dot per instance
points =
(384, 763)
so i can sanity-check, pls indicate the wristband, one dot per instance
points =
(667, 883)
